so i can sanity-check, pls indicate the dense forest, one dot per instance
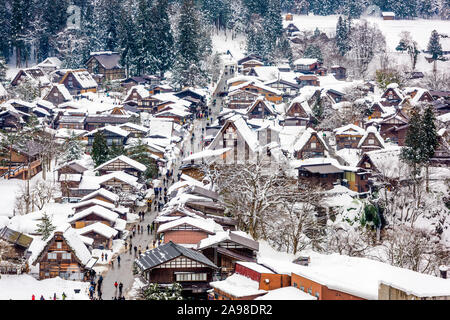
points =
(154, 36)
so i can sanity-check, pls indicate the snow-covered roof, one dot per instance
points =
(387, 161)
(305, 138)
(100, 228)
(77, 245)
(160, 128)
(84, 78)
(234, 236)
(63, 90)
(305, 61)
(140, 89)
(387, 13)
(3, 92)
(361, 276)
(349, 129)
(94, 202)
(238, 286)
(98, 210)
(371, 129)
(133, 163)
(286, 293)
(255, 267)
(208, 225)
(257, 84)
(113, 129)
(122, 176)
(70, 177)
(134, 126)
(101, 192)
(206, 154)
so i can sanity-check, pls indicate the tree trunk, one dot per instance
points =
(427, 178)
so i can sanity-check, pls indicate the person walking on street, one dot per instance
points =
(64, 296)
(106, 257)
(135, 250)
(148, 229)
(131, 247)
(120, 289)
(118, 260)
(33, 297)
(134, 231)
(102, 256)
(115, 285)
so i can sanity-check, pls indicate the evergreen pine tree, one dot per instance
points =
(434, 46)
(3, 68)
(430, 139)
(164, 42)
(313, 51)
(45, 227)
(342, 35)
(126, 36)
(115, 151)
(412, 153)
(99, 149)
(73, 149)
(139, 152)
(5, 29)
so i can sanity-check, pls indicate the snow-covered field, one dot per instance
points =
(22, 287)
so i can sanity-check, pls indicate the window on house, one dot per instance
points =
(317, 295)
(191, 277)
(313, 145)
(51, 256)
(67, 256)
(310, 291)
(371, 141)
(59, 245)
(302, 288)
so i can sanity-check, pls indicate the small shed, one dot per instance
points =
(388, 15)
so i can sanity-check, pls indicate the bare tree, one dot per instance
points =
(346, 240)
(42, 193)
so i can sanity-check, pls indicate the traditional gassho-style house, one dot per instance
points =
(63, 255)
(394, 127)
(103, 195)
(392, 96)
(240, 99)
(298, 113)
(76, 122)
(136, 95)
(413, 97)
(69, 176)
(107, 64)
(226, 247)
(50, 64)
(348, 136)
(306, 65)
(119, 180)
(187, 230)
(310, 145)
(371, 140)
(247, 66)
(244, 142)
(31, 74)
(340, 73)
(15, 260)
(58, 94)
(122, 163)
(113, 135)
(79, 81)
(255, 86)
(12, 120)
(442, 154)
(93, 214)
(260, 109)
(102, 235)
(308, 80)
(136, 131)
(289, 88)
(171, 262)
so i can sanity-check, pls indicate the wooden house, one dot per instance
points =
(113, 135)
(12, 120)
(249, 64)
(58, 94)
(101, 234)
(121, 181)
(93, 214)
(340, 73)
(310, 145)
(14, 260)
(136, 94)
(31, 74)
(260, 109)
(371, 140)
(254, 86)
(171, 262)
(100, 121)
(187, 230)
(291, 28)
(24, 162)
(106, 64)
(136, 131)
(388, 15)
(79, 81)
(392, 96)
(250, 281)
(3, 94)
(227, 247)
(377, 110)
(122, 163)
(287, 87)
(64, 255)
(71, 122)
(308, 80)
(394, 127)
(241, 99)
(103, 195)
(306, 65)
(298, 113)
(50, 64)
(69, 175)
(442, 154)
(348, 136)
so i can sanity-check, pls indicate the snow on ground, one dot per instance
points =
(22, 287)
(134, 291)
(222, 43)
(108, 254)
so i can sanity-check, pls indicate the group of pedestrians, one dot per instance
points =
(63, 297)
